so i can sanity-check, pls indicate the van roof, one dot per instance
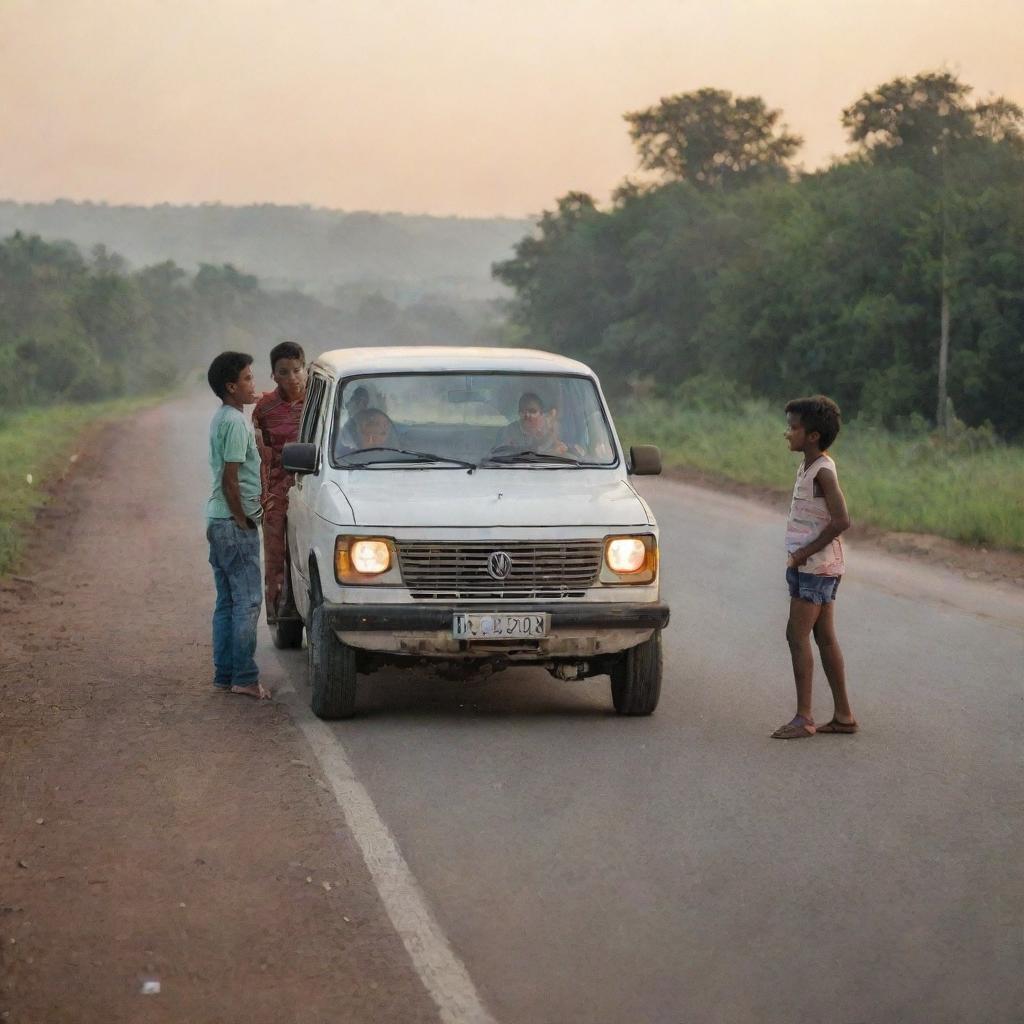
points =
(439, 358)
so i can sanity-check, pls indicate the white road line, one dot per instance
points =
(441, 971)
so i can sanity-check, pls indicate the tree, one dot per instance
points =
(928, 123)
(376, 318)
(926, 118)
(529, 269)
(712, 139)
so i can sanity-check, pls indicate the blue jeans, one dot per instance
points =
(235, 557)
(806, 586)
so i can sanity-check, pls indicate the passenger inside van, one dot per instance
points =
(372, 428)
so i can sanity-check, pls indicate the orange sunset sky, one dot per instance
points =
(474, 107)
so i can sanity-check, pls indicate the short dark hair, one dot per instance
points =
(286, 350)
(533, 398)
(818, 413)
(226, 369)
(359, 395)
(365, 416)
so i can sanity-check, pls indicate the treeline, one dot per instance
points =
(313, 250)
(893, 280)
(76, 328)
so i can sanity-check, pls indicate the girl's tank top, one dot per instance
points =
(808, 516)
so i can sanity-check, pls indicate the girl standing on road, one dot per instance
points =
(815, 564)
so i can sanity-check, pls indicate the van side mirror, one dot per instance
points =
(645, 460)
(299, 457)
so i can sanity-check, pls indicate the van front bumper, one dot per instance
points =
(438, 618)
(578, 632)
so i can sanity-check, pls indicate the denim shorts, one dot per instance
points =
(807, 587)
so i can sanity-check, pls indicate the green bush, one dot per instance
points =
(713, 392)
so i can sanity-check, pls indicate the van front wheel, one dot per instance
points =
(636, 678)
(285, 624)
(332, 669)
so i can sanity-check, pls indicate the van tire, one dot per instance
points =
(636, 678)
(285, 624)
(332, 669)
(287, 634)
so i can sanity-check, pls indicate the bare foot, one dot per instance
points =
(257, 690)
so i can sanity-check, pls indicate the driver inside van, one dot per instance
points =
(536, 429)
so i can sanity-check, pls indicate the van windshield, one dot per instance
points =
(495, 419)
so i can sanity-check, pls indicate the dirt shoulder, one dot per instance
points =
(986, 565)
(152, 829)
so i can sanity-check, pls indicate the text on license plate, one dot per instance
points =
(483, 626)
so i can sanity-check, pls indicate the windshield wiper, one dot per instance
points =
(527, 455)
(418, 456)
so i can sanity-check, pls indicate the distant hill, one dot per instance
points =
(323, 252)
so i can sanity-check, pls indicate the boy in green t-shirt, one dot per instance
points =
(233, 516)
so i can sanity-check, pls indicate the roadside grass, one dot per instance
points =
(969, 488)
(36, 447)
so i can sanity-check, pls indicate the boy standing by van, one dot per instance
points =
(233, 515)
(815, 564)
(276, 419)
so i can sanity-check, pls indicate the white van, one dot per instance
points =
(470, 506)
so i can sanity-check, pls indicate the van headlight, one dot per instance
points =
(630, 560)
(365, 560)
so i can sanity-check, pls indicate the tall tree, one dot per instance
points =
(712, 138)
(569, 277)
(918, 120)
(928, 123)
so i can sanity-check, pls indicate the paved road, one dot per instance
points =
(685, 868)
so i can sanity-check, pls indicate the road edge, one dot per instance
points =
(439, 968)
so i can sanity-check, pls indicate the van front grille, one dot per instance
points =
(546, 570)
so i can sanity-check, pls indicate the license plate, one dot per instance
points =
(494, 626)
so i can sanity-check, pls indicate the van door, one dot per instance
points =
(302, 496)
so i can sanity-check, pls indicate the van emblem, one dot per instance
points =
(499, 565)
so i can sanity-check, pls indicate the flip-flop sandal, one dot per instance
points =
(800, 728)
(846, 728)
